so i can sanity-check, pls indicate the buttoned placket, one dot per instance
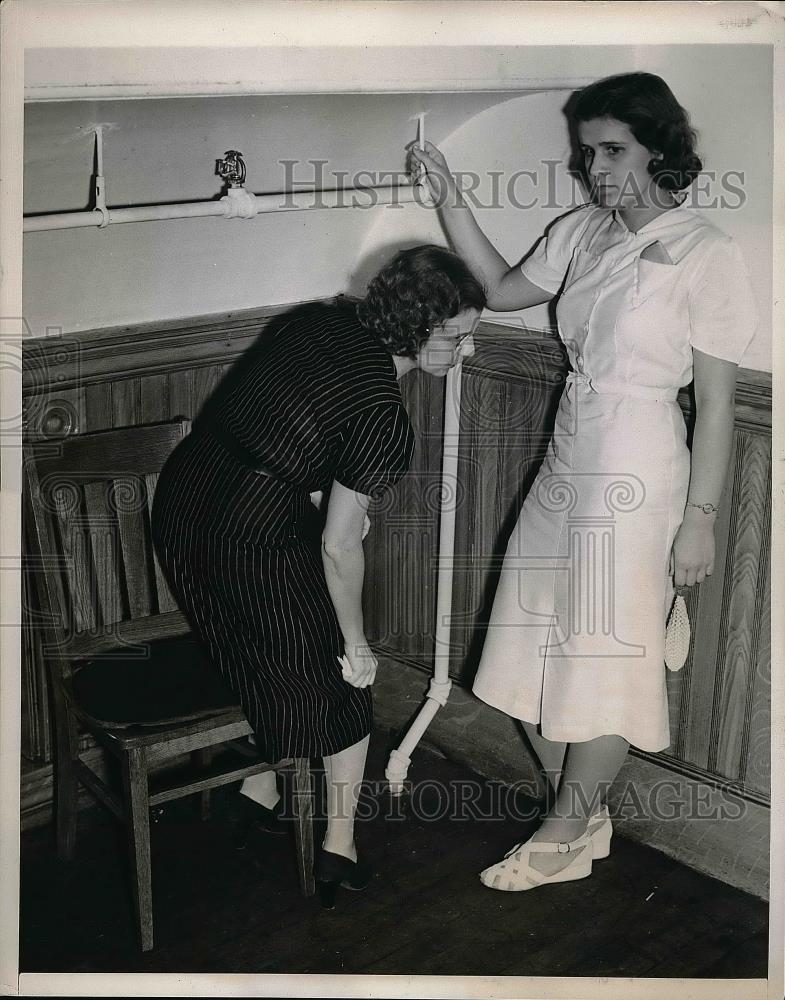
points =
(580, 355)
(629, 240)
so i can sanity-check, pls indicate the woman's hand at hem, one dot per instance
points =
(692, 555)
(362, 664)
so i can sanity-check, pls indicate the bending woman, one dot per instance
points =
(314, 409)
(650, 296)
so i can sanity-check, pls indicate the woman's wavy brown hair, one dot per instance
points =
(417, 290)
(646, 104)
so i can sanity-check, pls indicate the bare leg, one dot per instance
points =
(262, 788)
(344, 773)
(547, 753)
(590, 768)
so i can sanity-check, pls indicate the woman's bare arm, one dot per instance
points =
(715, 386)
(344, 569)
(506, 287)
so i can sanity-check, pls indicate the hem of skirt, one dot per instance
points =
(312, 750)
(572, 735)
(655, 746)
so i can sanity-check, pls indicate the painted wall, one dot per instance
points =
(156, 151)
(160, 150)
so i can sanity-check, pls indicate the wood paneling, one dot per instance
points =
(154, 397)
(714, 726)
(401, 551)
(719, 702)
(757, 761)
(740, 629)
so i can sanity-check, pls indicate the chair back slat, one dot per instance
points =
(46, 564)
(132, 506)
(103, 532)
(65, 500)
(128, 451)
(165, 600)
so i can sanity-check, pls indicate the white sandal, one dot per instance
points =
(515, 873)
(600, 830)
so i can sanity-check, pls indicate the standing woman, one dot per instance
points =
(650, 297)
(315, 408)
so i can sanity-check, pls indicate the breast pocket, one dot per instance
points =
(651, 277)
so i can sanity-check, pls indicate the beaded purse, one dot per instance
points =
(677, 634)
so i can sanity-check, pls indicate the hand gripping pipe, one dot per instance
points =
(439, 689)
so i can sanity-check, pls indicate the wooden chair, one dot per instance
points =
(120, 660)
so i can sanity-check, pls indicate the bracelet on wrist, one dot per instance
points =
(707, 508)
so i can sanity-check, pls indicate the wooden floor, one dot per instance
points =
(222, 910)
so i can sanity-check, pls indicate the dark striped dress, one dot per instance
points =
(316, 401)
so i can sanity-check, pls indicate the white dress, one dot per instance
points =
(576, 636)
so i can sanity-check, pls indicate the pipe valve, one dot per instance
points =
(231, 169)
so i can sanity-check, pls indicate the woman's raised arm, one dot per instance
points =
(506, 287)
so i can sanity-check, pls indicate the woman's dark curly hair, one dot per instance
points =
(646, 104)
(417, 290)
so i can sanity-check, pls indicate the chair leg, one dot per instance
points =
(138, 825)
(201, 759)
(67, 785)
(303, 827)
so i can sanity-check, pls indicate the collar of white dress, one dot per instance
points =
(667, 218)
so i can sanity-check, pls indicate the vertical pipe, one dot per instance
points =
(447, 516)
(99, 182)
(439, 689)
(99, 149)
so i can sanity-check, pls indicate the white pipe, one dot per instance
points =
(99, 179)
(290, 201)
(439, 690)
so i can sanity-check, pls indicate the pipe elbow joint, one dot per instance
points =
(439, 691)
(396, 771)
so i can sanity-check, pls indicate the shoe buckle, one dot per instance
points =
(565, 846)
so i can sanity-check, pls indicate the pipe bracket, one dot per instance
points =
(99, 186)
(103, 211)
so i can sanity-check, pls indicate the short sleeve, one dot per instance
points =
(723, 311)
(376, 449)
(548, 263)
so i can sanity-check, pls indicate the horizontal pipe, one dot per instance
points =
(285, 201)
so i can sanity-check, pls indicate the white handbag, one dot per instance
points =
(677, 634)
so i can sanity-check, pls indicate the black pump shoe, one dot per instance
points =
(254, 818)
(332, 870)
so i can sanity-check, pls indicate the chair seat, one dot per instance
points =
(175, 683)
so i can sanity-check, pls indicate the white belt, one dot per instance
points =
(658, 393)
